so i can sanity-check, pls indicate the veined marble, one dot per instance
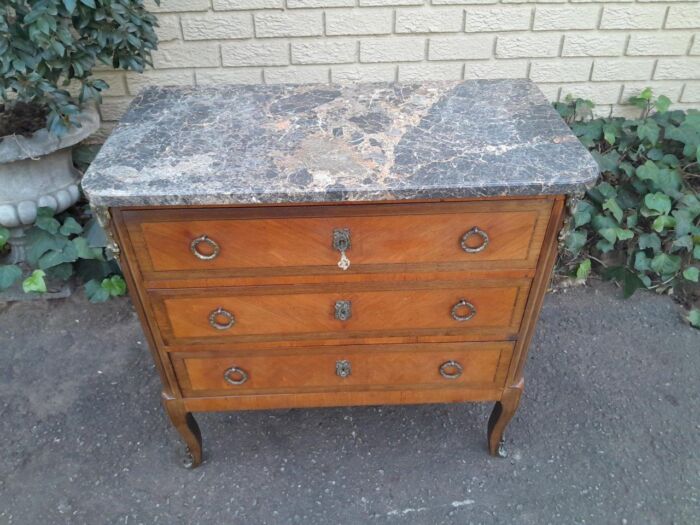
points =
(324, 143)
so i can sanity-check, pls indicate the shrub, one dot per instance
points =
(45, 45)
(639, 225)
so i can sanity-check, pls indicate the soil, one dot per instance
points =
(21, 119)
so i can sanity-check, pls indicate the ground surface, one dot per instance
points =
(608, 432)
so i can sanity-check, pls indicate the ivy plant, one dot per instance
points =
(45, 45)
(58, 248)
(640, 224)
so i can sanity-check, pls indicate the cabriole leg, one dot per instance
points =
(186, 425)
(501, 415)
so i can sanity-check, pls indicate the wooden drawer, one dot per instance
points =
(477, 365)
(319, 311)
(279, 240)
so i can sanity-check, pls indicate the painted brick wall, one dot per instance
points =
(603, 50)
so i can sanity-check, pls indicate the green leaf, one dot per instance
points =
(642, 263)
(84, 251)
(658, 202)
(648, 171)
(48, 224)
(662, 222)
(89, 3)
(624, 235)
(584, 269)
(614, 208)
(649, 131)
(35, 282)
(582, 213)
(604, 246)
(694, 317)
(4, 236)
(70, 226)
(575, 240)
(69, 5)
(62, 271)
(609, 133)
(649, 240)
(665, 264)
(629, 280)
(94, 291)
(691, 273)
(114, 285)
(9, 273)
(609, 234)
(662, 103)
(696, 252)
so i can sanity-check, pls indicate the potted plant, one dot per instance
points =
(48, 104)
(48, 50)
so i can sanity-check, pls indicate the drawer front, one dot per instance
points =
(448, 365)
(439, 308)
(279, 240)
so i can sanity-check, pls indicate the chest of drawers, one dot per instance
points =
(326, 279)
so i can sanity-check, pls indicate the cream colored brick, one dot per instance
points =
(463, 2)
(116, 81)
(618, 110)
(632, 16)
(297, 75)
(392, 49)
(112, 108)
(289, 23)
(171, 77)
(598, 1)
(691, 92)
(460, 47)
(659, 43)
(168, 28)
(330, 51)
(671, 89)
(364, 73)
(359, 21)
(622, 69)
(496, 69)
(677, 69)
(228, 76)
(684, 16)
(217, 26)
(571, 17)
(231, 5)
(570, 69)
(435, 20)
(189, 54)
(295, 4)
(502, 18)
(528, 45)
(255, 53)
(594, 44)
(176, 6)
(695, 49)
(102, 134)
(377, 3)
(430, 71)
(599, 93)
(550, 91)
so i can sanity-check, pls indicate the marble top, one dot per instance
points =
(315, 143)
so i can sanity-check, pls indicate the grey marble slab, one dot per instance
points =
(315, 143)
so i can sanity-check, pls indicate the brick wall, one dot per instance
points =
(603, 50)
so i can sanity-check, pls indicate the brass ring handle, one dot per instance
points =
(475, 231)
(233, 372)
(463, 303)
(451, 365)
(220, 312)
(194, 248)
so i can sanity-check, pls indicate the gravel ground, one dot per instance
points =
(608, 432)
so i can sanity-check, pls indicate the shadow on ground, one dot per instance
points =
(607, 432)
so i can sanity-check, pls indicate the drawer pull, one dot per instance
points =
(203, 239)
(341, 243)
(451, 370)
(462, 304)
(343, 368)
(235, 376)
(343, 310)
(484, 240)
(216, 315)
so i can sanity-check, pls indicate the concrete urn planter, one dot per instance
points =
(38, 171)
